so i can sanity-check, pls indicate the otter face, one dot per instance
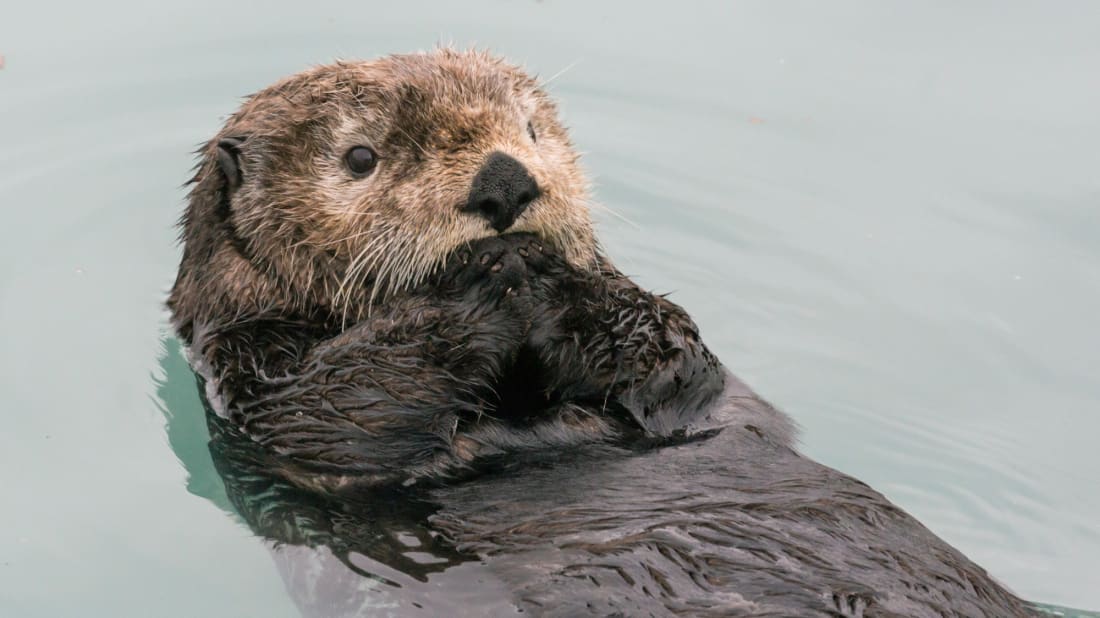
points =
(355, 180)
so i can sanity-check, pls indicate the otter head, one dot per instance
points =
(351, 182)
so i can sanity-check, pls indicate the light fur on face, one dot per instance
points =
(323, 237)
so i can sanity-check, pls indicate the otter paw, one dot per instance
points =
(536, 255)
(491, 265)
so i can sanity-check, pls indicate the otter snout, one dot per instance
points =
(501, 191)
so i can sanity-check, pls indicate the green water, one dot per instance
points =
(885, 217)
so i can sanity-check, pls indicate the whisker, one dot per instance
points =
(341, 240)
(364, 266)
(544, 83)
(359, 263)
(611, 211)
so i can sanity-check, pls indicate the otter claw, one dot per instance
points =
(496, 268)
(485, 257)
(524, 252)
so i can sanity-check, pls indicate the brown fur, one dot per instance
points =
(305, 237)
(367, 332)
(296, 269)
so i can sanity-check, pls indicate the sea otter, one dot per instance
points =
(390, 281)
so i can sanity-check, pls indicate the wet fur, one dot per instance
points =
(500, 352)
(365, 336)
(733, 524)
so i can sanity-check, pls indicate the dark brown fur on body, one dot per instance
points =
(426, 386)
(737, 524)
(315, 300)
(357, 332)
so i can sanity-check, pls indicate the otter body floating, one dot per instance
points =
(390, 279)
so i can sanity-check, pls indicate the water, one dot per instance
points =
(886, 218)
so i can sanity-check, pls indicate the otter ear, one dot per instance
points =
(228, 157)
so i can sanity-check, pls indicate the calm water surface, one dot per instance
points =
(886, 218)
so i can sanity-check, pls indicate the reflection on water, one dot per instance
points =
(336, 558)
(188, 435)
(884, 218)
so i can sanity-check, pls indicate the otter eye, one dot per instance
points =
(361, 160)
(531, 132)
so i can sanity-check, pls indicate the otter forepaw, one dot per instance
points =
(493, 267)
(540, 258)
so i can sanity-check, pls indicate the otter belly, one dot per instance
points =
(735, 523)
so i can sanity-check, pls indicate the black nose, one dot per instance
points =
(501, 191)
